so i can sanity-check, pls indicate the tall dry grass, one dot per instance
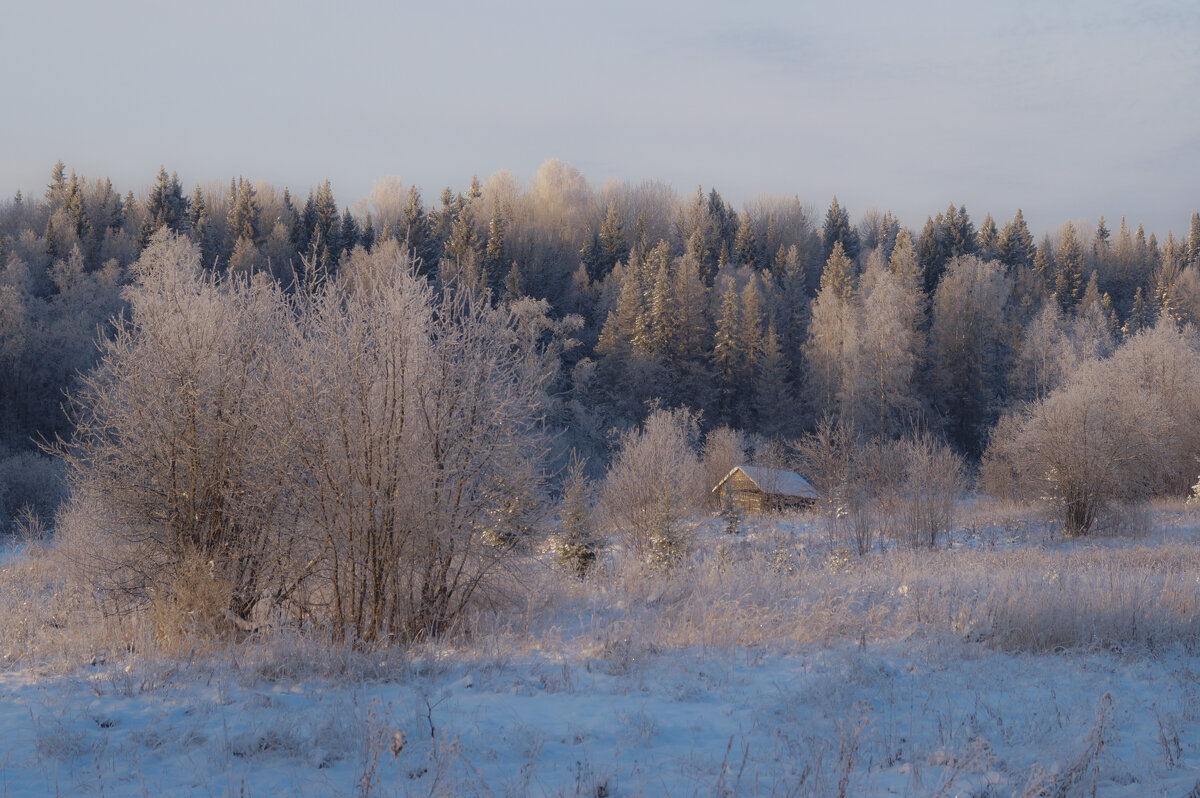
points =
(780, 586)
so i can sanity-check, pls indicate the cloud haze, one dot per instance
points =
(1069, 110)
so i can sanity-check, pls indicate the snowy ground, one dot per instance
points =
(887, 721)
(562, 713)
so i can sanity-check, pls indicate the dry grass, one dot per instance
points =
(1006, 583)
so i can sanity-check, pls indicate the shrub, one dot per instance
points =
(654, 483)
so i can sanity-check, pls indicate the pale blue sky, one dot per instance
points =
(1067, 109)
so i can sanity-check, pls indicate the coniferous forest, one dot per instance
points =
(765, 318)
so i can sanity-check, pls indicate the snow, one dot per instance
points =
(569, 714)
(900, 720)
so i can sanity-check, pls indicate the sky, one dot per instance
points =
(1068, 109)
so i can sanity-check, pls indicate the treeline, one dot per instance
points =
(766, 318)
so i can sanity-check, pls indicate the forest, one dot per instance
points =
(231, 364)
(409, 498)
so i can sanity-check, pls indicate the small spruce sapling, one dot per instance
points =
(579, 543)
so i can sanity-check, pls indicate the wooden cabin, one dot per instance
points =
(757, 489)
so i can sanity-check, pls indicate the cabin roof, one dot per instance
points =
(774, 482)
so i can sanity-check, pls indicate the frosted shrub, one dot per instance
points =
(1120, 431)
(342, 452)
(654, 483)
(934, 478)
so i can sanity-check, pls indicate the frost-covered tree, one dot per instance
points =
(654, 484)
(969, 347)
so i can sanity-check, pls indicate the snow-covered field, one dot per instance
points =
(632, 690)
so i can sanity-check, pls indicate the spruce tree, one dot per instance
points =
(960, 232)
(725, 356)
(494, 251)
(838, 274)
(838, 230)
(56, 190)
(745, 248)
(612, 242)
(772, 397)
(1194, 240)
(1016, 243)
(349, 235)
(933, 251)
(987, 240)
(1068, 262)
(580, 541)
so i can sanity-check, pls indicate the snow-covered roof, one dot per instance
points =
(775, 482)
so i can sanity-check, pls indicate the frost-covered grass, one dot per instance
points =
(1010, 662)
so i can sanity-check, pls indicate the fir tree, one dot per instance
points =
(243, 217)
(987, 240)
(613, 247)
(349, 235)
(838, 230)
(745, 248)
(494, 251)
(462, 253)
(772, 398)
(56, 190)
(1141, 316)
(838, 274)
(1194, 240)
(414, 230)
(1068, 277)
(580, 542)
(1016, 243)
(726, 357)
(165, 205)
(512, 283)
(933, 251)
(960, 232)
